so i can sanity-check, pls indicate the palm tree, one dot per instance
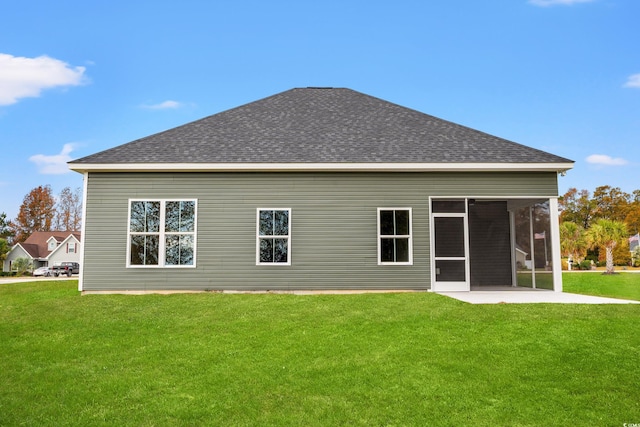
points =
(21, 266)
(606, 234)
(572, 241)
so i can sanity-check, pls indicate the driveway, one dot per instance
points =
(4, 280)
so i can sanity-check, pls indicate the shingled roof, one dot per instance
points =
(36, 244)
(314, 126)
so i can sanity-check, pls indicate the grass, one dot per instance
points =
(619, 285)
(544, 279)
(372, 359)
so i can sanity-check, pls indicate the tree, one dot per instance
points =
(610, 203)
(577, 206)
(572, 241)
(5, 228)
(36, 213)
(69, 210)
(606, 234)
(4, 249)
(633, 214)
(21, 266)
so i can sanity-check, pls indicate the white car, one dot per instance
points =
(42, 271)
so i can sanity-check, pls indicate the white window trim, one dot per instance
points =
(258, 237)
(162, 234)
(410, 236)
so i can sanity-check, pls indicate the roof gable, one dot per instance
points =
(36, 245)
(320, 126)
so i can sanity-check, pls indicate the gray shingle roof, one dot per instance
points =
(320, 125)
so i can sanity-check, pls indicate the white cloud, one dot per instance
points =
(604, 160)
(22, 77)
(55, 164)
(166, 105)
(545, 3)
(633, 81)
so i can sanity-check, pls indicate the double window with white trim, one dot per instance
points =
(162, 233)
(395, 238)
(273, 236)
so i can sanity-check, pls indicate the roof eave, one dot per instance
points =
(320, 167)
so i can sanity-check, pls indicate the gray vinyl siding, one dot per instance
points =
(333, 226)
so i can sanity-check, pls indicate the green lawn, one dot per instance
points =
(622, 285)
(372, 359)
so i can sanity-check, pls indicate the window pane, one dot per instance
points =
(266, 223)
(402, 223)
(448, 206)
(187, 216)
(179, 216)
(281, 226)
(145, 217)
(137, 250)
(137, 224)
(186, 250)
(402, 250)
(386, 223)
(172, 217)
(152, 219)
(387, 250)
(281, 249)
(151, 250)
(172, 250)
(144, 250)
(179, 250)
(266, 250)
(449, 236)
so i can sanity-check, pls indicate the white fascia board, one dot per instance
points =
(320, 167)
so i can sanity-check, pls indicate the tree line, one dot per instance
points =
(605, 220)
(41, 211)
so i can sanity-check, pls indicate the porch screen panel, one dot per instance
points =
(449, 237)
(449, 243)
(450, 270)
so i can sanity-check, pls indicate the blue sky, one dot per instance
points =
(78, 77)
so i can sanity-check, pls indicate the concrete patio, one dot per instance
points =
(518, 295)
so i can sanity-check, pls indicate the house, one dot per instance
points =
(46, 248)
(318, 188)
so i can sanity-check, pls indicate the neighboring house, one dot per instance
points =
(634, 242)
(46, 248)
(521, 258)
(316, 188)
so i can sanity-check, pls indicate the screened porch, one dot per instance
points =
(493, 243)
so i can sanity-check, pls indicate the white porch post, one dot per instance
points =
(556, 260)
(532, 242)
(512, 230)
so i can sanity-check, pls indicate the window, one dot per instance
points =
(71, 248)
(52, 244)
(273, 237)
(394, 236)
(162, 233)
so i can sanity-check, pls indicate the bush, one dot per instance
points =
(584, 265)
